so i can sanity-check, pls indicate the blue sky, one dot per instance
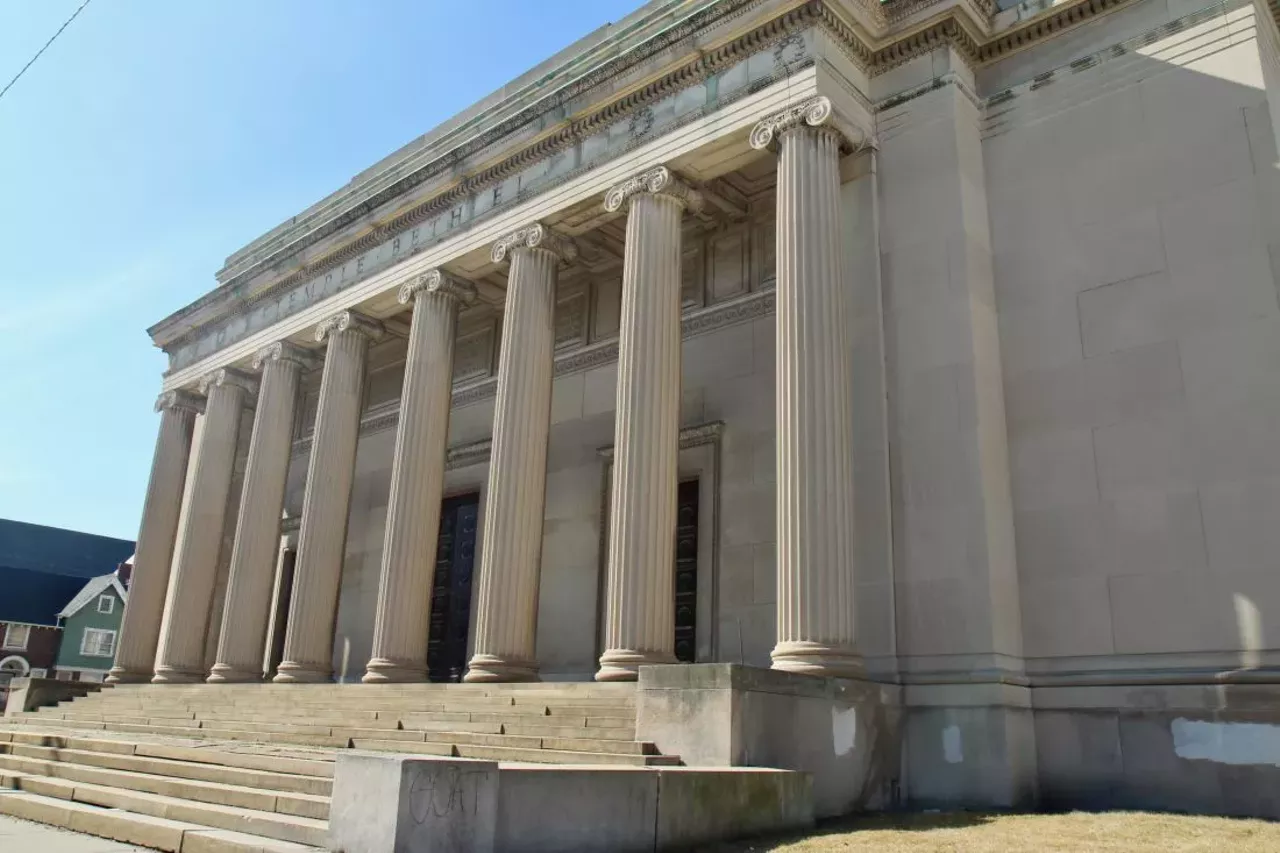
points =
(156, 137)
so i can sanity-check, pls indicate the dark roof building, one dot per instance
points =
(43, 568)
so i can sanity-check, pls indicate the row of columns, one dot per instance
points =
(163, 634)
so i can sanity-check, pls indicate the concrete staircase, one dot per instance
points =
(249, 767)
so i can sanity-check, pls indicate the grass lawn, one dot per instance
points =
(971, 832)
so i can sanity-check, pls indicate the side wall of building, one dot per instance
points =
(1133, 197)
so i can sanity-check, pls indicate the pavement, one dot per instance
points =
(20, 836)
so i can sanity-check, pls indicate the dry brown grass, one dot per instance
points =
(966, 832)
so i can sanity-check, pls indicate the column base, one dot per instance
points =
(120, 675)
(490, 668)
(226, 674)
(624, 664)
(173, 675)
(383, 671)
(809, 658)
(298, 673)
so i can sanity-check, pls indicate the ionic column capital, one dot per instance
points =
(439, 282)
(180, 399)
(816, 112)
(535, 236)
(345, 321)
(229, 377)
(285, 351)
(656, 181)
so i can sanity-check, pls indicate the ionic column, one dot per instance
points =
(512, 536)
(322, 541)
(640, 609)
(180, 658)
(417, 480)
(140, 626)
(253, 558)
(815, 547)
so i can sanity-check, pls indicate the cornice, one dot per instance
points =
(963, 24)
(706, 62)
(1043, 26)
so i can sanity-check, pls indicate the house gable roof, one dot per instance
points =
(94, 588)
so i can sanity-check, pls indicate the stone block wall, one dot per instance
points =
(1137, 300)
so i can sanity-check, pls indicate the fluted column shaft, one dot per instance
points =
(180, 658)
(402, 623)
(512, 538)
(322, 539)
(815, 571)
(253, 557)
(140, 626)
(640, 608)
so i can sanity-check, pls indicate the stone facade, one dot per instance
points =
(977, 315)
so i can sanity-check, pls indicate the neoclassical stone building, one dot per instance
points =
(927, 343)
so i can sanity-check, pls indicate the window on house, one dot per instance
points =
(39, 672)
(98, 643)
(16, 637)
(106, 604)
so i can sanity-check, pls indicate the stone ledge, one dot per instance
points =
(412, 803)
(27, 694)
(843, 732)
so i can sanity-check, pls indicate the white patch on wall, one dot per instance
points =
(1227, 743)
(1249, 623)
(952, 749)
(844, 730)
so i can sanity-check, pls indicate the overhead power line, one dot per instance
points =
(33, 59)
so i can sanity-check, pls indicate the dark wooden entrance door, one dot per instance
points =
(687, 572)
(451, 589)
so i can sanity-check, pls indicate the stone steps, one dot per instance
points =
(517, 754)
(114, 789)
(299, 830)
(176, 764)
(196, 772)
(143, 830)
(609, 740)
(69, 767)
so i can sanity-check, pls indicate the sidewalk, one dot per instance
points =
(20, 836)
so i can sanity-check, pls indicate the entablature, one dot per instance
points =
(704, 58)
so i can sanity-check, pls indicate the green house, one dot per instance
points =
(90, 626)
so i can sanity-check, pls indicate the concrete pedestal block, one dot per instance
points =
(412, 804)
(27, 694)
(843, 732)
